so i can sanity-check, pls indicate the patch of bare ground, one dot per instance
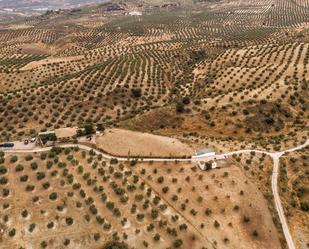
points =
(45, 62)
(131, 143)
(35, 49)
(66, 132)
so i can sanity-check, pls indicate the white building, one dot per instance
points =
(207, 165)
(135, 13)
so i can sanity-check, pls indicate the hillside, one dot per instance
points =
(68, 67)
(67, 198)
(152, 82)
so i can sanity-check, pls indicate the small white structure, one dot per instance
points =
(135, 13)
(46, 133)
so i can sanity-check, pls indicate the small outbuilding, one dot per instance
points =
(212, 163)
(207, 165)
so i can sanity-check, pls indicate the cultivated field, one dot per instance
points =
(73, 199)
(214, 75)
(155, 79)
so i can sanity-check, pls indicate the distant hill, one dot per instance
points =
(25, 7)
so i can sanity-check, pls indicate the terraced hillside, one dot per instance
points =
(224, 74)
(218, 66)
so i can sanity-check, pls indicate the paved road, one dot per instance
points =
(274, 155)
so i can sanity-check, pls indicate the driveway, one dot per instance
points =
(21, 146)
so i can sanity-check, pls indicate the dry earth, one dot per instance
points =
(126, 142)
(46, 62)
(66, 132)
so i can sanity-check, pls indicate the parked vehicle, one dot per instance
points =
(7, 145)
(32, 140)
(26, 142)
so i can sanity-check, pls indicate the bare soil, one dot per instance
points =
(66, 132)
(36, 48)
(35, 64)
(126, 142)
